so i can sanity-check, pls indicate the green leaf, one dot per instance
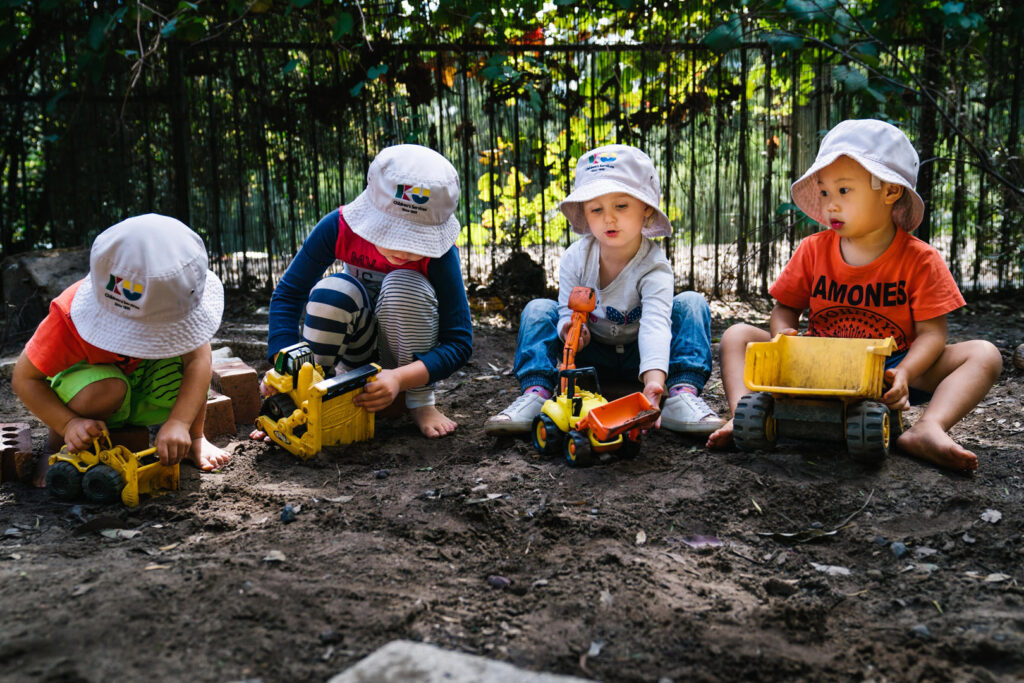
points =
(169, 28)
(781, 41)
(290, 66)
(725, 36)
(624, 4)
(356, 89)
(786, 206)
(953, 8)
(377, 71)
(97, 32)
(809, 10)
(874, 93)
(343, 24)
(851, 78)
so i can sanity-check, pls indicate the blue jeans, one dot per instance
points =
(539, 348)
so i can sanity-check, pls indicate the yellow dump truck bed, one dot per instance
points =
(818, 366)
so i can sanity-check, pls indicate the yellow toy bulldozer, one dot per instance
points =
(106, 475)
(310, 412)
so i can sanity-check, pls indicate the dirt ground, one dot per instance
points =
(680, 565)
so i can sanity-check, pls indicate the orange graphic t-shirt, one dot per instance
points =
(909, 282)
(56, 344)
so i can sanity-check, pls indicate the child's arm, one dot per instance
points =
(784, 320)
(174, 439)
(33, 388)
(382, 391)
(928, 345)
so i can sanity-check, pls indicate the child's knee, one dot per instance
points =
(988, 357)
(691, 302)
(100, 399)
(742, 333)
(538, 311)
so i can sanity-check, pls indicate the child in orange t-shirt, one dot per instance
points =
(129, 345)
(868, 277)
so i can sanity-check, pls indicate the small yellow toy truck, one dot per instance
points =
(106, 475)
(817, 388)
(578, 422)
(310, 412)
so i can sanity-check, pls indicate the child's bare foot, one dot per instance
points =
(206, 456)
(721, 438)
(930, 442)
(432, 422)
(42, 466)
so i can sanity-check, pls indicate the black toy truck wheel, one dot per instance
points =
(102, 484)
(753, 427)
(577, 449)
(868, 432)
(630, 447)
(547, 437)
(277, 406)
(64, 481)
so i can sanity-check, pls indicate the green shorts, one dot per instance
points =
(152, 389)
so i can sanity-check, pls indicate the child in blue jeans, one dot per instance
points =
(638, 329)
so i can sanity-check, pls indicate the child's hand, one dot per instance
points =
(653, 391)
(265, 389)
(789, 332)
(80, 432)
(584, 334)
(381, 392)
(898, 395)
(173, 442)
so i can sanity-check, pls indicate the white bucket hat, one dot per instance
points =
(883, 150)
(616, 168)
(150, 293)
(409, 202)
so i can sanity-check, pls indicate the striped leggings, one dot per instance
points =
(343, 325)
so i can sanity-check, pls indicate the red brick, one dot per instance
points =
(15, 451)
(220, 417)
(133, 438)
(240, 382)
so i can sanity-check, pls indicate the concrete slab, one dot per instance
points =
(405, 661)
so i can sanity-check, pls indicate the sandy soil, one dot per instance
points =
(675, 565)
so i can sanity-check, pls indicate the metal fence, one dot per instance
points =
(251, 143)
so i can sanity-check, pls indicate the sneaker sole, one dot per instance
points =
(702, 428)
(499, 428)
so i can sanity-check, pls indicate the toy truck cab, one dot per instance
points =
(817, 388)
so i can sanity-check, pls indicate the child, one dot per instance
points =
(400, 300)
(638, 329)
(129, 345)
(867, 276)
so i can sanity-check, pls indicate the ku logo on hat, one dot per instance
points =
(126, 288)
(602, 158)
(420, 195)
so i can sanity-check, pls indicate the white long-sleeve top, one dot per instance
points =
(635, 306)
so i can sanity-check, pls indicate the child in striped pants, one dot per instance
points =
(400, 300)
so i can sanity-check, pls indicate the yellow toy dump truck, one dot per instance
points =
(578, 422)
(310, 412)
(106, 475)
(817, 388)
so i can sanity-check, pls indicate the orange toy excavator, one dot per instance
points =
(582, 301)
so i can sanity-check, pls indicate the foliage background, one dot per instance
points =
(251, 119)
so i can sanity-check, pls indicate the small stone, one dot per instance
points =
(288, 514)
(875, 574)
(898, 549)
(330, 637)
(499, 581)
(381, 474)
(879, 540)
(921, 631)
(1018, 357)
(776, 586)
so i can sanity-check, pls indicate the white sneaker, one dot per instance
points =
(518, 417)
(689, 414)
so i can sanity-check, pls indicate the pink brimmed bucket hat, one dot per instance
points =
(409, 202)
(883, 150)
(149, 293)
(616, 168)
